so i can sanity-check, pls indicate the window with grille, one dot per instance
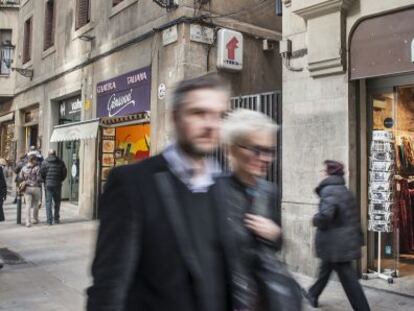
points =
(49, 39)
(116, 2)
(83, 13)
(6, 51)
(27, 40)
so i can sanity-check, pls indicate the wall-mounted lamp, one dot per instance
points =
(28, 73)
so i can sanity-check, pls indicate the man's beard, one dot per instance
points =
(192, 150)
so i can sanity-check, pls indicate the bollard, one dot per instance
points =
(19, 209)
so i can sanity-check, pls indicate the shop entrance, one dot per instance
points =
(391, 176)
(31, 135)
(123, 144)
(69, 153)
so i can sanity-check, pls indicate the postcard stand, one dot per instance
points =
(381, 195)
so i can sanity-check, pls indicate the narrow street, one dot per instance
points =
(50, 268)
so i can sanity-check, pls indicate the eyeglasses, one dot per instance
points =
(260, 150)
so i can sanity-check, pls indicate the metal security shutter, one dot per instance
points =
(83, 13)
(269, 104)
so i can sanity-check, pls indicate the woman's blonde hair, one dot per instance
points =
(242, 122)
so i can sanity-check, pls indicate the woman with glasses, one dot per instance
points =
(252, 215)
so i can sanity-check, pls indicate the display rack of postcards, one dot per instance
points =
(381, 190)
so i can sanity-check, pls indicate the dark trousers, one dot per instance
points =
(1, 210)
(349, 281)
(53, 195)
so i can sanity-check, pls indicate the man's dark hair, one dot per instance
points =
(208, 81)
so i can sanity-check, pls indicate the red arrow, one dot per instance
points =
(231, 48)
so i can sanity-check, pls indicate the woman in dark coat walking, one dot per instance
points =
(260, 281)
(338, 237)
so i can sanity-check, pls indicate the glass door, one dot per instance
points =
(392, 111)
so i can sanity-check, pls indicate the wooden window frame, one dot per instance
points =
(27, 40)
(49, 31)
(79, 23)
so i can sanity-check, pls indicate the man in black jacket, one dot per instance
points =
(161, 244)
(53, 172)
(338, 237)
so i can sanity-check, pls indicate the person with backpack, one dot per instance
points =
(31, 187)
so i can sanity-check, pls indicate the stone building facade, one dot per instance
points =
(339, 56)
(82, 50)
(9, 18)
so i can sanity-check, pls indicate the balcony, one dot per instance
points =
(10, 3)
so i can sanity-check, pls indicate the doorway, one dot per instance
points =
(391, 184)
(69, 153)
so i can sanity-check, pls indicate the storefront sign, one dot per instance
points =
(124, 95)
(383, 45)
(71, 107)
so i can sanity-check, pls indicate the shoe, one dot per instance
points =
(57, 221)
(28, 225)
(35, 221)
(313, 301)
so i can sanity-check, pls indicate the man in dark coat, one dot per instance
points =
(160, 244)
(338, 237)
(53, 172)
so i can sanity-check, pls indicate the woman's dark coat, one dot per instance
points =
(339, 236)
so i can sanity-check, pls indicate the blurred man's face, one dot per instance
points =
(254, 155)
(198, 121)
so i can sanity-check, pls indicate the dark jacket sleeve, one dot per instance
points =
(43, 170)
(117, 247)
(327, 211)
(3, 185)
(64, 171)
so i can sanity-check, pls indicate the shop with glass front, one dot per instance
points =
(383, 73)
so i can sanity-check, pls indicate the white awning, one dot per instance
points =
(75, 131)
(7, 117)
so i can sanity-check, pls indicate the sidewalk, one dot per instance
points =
(55, 268)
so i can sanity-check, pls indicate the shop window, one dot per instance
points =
(6, 51)
(116, 2)
(27, 40)
(391, 180)
(49, 35)
(83, 14)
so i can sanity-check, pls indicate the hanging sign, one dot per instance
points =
(124, 95)
(229, 50)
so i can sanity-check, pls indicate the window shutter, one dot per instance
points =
(83, 13)
(27, 40)
(49, 24)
